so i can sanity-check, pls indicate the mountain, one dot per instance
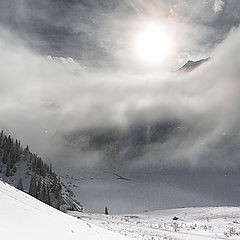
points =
(25, 170)
(125, 143)
(191, 65)
(25, 218)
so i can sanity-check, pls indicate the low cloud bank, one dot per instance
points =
(43, 100)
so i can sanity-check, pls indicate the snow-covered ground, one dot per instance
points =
(192, 223)
(23, 217)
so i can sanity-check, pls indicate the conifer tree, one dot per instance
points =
(50, 170)
(26, 150)
(14, 154)
(26, 155)
(20, 148)
(17, 150)
(20, 185)
(39, 187)
(47, 195)
(54, 185)
(32, 188)
(106, 211)
(4, 158)
(10, 160)
(33, 164)
(42, 192)
(5, 151)
(8, 173)
(1, 138)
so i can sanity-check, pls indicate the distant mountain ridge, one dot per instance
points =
(25, 170)
(191, 65)
(122, 144)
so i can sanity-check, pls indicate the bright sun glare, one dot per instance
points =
(153, 43)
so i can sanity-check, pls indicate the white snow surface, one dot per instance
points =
(192, 224)
(23, 217)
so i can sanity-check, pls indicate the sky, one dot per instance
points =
(93, 30)
(69, 68)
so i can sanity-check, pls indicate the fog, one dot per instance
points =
(147, 193)
(54, 84)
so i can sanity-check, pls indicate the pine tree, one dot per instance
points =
(20, 185)
(42, 172)
(5, 151)
(41, 196)
(4, 158)
(10, 160)
(8, 173)
(33, 164)
(58, 187)
(39, 187)
(106, 211)
(45, 169)
(54, 185)
(20, 148)
(32, 188)
(26, 155)
(14, 155)
(50, 170)
(26, 150)
(1, 138)
(47, 195)
(17, 151)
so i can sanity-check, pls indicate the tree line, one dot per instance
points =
(45, 184)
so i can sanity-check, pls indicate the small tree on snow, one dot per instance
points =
(106, 211)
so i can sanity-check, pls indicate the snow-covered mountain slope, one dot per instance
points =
(28, 172)
(23, 217)
(190, 224)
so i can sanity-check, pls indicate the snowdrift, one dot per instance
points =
(23, 217)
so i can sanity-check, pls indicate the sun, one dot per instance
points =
(153, 43)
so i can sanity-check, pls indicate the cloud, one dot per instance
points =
(91, 30)
(43, 100)
(47, 101)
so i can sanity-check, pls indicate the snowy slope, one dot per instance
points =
(23, 217)
(192, 224)
(19, 167)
